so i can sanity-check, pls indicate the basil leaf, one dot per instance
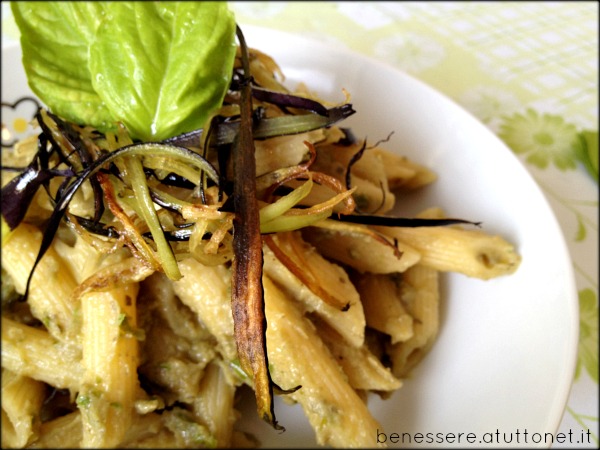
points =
(55, 37)
(163, 67)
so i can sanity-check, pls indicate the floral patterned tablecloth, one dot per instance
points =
(529, 71)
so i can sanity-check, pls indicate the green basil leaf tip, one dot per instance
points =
(55, 38)
(161, 68)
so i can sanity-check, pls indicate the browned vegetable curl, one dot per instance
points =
(247, 300)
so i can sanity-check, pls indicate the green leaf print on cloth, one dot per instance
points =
(543, 138)
(588, 152)
(588, 334)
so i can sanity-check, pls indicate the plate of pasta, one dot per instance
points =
(377, 334)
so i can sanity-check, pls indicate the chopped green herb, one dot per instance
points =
(83, 401)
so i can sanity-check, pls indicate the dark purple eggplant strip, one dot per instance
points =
(390, 221)
(288, 100)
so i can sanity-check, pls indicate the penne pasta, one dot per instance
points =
(419, 290)
(347, 318)
(449, 249)
(328, 281)
(22, 399)
(51, 285)
(381, 299)
(36, 354)
(110, 361)
(61, 432)
(146, 431)
(215, 404)
(364, 370)
(176, 347)
(205, 290)
(361, 248)
(338, 415)
(403, 173)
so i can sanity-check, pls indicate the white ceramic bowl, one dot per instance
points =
(506, 352)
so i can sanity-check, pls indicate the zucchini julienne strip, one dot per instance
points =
(67, 194)
(247, 296)
(269, 127)
(137, 180)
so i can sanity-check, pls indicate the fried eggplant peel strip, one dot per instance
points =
(247, 299)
